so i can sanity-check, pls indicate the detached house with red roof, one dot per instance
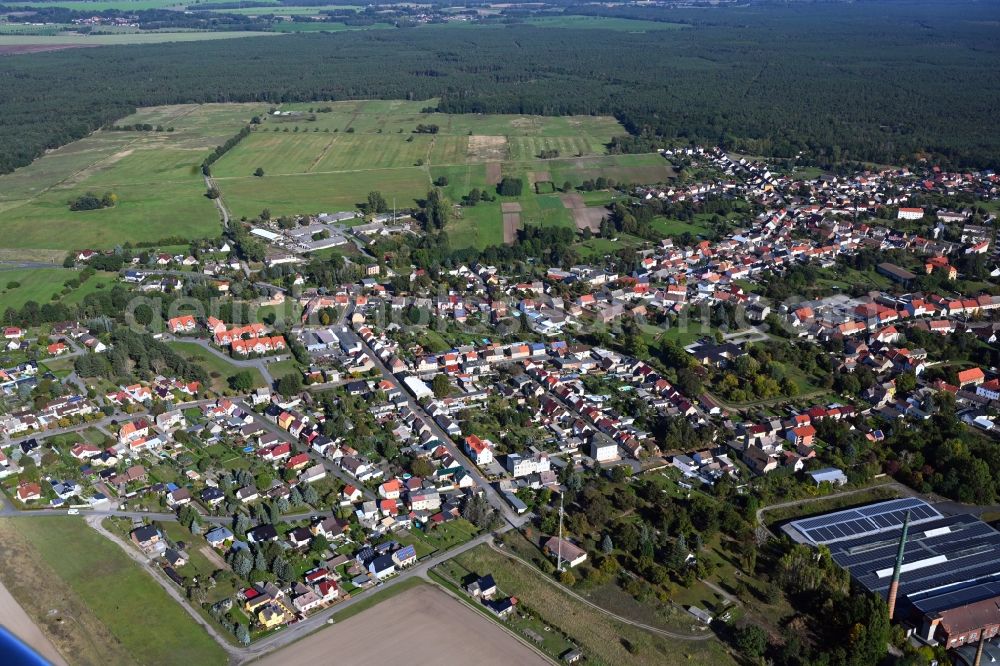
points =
(182, 324)
(803, 435)
(481, 451)
(971, 376)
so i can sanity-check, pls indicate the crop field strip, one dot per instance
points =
(321, 167)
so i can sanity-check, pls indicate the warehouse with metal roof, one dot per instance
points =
(950, 573)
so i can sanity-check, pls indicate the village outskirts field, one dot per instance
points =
(316, 157)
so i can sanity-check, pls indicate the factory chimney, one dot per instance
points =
(979, 650)
(894, 587)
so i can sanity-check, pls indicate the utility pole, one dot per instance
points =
(559, 546)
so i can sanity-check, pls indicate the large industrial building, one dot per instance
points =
(949, 577)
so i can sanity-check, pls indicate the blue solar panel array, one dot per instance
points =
(971, 558)
(869, 519)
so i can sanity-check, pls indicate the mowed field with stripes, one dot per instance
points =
(326, 157)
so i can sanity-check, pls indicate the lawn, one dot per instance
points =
(124, 598)
(672, 228)
(279, 369)
(448, 534)
(601, 637)
(219, 369)
(597, 248)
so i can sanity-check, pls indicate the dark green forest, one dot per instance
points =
(885, 82)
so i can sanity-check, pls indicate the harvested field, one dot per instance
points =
(585, 218)
(493, 174)
(487, 148)
(510, 207)
(16, 621)
(58, 611)
(416, 618)
(511, 223)
(535, 177)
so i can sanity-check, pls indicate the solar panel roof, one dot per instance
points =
(869, 519)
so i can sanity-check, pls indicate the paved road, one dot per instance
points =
(494, 497)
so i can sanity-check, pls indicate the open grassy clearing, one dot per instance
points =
(600, 637)
(478, 226)
(219, 369)
(145, 213)
(646, 168)
(155, 175)
(328, 192)
(671, 228)
(123, 614)
(41, 284)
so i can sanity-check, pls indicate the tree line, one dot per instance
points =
(715, 82)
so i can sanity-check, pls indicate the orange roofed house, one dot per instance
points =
(971, 376)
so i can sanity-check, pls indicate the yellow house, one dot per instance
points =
(271, 617)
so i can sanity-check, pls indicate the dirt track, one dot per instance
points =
(422, 626)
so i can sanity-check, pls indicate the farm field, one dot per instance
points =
(602, 23)
(328, 156)
(415, 615)
(330, 192)
(61, 563)
(156, 176)
(101, 5)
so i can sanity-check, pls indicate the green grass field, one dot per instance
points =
(41, 284)
(316, 193)
(600, 636)
(219, 368)
(145, 621)
(326, 158)
(101, 5)
(155, 175)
